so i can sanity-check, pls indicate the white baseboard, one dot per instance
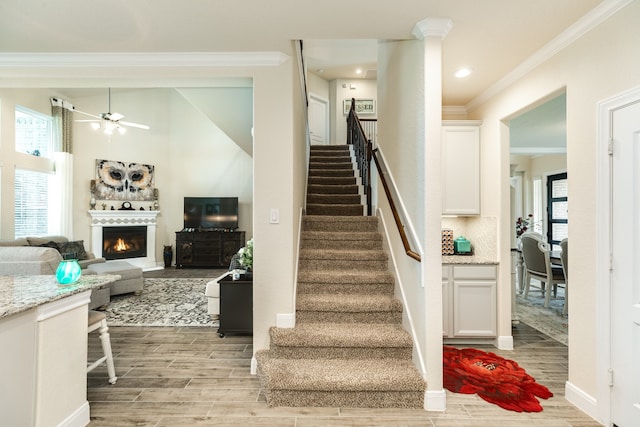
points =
(79, 417)
(285, 320)
(581, 400)
(504, 342)
(435, 400)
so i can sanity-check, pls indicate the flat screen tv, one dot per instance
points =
(211, 213)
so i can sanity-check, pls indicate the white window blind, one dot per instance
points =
(31, 203)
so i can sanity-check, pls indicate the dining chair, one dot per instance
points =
(564, 257)
(537, 265)
(98, 320)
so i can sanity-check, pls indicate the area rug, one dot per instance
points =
(163, 302)
(550, 321)
(493, 378)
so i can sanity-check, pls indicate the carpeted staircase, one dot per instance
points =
(348, 348)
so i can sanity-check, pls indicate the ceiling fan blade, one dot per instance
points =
(88, 121)
(87, 114)
(135, 125)
(115, 116)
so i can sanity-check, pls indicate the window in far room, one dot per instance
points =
(33, 177)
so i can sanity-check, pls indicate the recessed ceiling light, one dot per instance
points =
(463, 72)
(359, 71)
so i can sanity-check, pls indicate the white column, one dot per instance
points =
(432, 31)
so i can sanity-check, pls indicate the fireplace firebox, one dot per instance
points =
(124, 242)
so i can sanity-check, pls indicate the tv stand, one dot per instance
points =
(207, 249)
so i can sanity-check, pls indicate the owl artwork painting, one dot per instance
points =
(123, 181)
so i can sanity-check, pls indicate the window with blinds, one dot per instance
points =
(33, 135)
(33, 132)
(31, 203)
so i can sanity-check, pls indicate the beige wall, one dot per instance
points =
(599, 65)
(346, 89)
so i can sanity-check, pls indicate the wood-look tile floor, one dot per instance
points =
(176, 376)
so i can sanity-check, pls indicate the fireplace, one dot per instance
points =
(124, 242)
(108, 226)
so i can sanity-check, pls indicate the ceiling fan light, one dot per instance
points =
(121, 130)
(95, 125)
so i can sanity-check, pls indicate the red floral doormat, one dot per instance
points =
(495, 379)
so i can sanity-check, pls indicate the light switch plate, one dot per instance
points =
(274, 216)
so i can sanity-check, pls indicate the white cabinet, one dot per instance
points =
(460, 167)
(469, 301)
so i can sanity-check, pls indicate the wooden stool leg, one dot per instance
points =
(106, 348)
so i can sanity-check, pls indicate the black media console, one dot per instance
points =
(213, 248)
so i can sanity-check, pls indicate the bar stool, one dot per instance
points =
(97, 320)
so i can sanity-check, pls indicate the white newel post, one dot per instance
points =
(122, 218)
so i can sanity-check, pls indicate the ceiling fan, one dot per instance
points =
(109, 121)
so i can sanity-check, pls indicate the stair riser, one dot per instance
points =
(320, 288)
(318, 180)
(341, 353)
(339, 199)
(332, 189)
(332, 165)
(335, 210)
(369, 399)
(341, 244)
(331, 173)
(354, 226)
(342, 265)
(303, 316)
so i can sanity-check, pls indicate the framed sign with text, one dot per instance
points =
(363, 106)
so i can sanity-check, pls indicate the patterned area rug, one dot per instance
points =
(164, 302)
(550, 321)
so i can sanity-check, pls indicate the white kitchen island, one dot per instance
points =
(43, 350)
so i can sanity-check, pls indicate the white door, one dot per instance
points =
(625, 273)
(318, 120)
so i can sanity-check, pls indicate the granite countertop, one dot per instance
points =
(22, 293)
(467, 259)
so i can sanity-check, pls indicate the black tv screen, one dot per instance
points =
(211, 213)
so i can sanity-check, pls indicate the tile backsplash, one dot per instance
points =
(481, 231)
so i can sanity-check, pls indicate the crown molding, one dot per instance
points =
(432, 27)
(142, 59)
(588, 22)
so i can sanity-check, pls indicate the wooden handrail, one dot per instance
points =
(396, 216)
(364, 153)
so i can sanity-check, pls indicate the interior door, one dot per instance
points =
(318, 120)
(625, 272)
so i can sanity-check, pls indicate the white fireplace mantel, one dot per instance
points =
(126, 218)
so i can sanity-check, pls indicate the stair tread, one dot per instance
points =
(344, 254)
(364, 375)
(341, 276)
(342, 334)
(348, 303)
(341, 235)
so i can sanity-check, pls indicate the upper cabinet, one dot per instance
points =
(461, 167)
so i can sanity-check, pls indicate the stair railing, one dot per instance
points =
(362, 148)
(364, 152)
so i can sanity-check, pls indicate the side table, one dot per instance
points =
(236, 306)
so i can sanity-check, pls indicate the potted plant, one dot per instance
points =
(245, 258)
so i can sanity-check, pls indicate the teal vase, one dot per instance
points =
(68, 271)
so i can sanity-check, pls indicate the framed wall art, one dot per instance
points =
(363, 106)
(117, 180)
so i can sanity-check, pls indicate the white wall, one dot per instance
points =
(598, 66)
(346, 89)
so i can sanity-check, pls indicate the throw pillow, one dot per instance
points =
(73, 250)
(50, 244)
